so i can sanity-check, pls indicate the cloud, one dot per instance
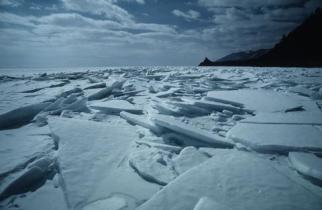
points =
(248, 3)
(88, 32)
(189, 15)
(108, 8)
(137, 1)
(78, 37)
(11, 3)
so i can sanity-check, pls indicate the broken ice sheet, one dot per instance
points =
(21, 116)
(277, 138)
(115, 106)
(47, 197)
(112, 203)
(212, 140)
(234, 179)
(153, 165)
(18, 147)
(297, 118)
(309, 165)
(178, 87)
(261, 100)
(91, 157)
(206, 203)
(188, 158)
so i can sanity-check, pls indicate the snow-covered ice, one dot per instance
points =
(149, 138)
(191, 131)
(278, 138)
(20, 116)
(206, 203)
(115, 106)
(153, 165)
(296, 118)
(237, 180)
(262, 100)
(87, 152)
(307, 164)
(112, 203)
(188, 158)
(142, 121)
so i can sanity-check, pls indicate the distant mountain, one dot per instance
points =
(243, 55)
(300, 48)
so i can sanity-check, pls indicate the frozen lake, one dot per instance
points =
(124, 138)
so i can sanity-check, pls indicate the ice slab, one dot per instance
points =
(167, 93)
(18, 147)
(88, 151)
(277, 138)
(30, 180)
(165, 147)
(188, 158)
(233, 103)
(233, 179)
(115, 106)
(20, 116)
(93, 161)
(153, 165)
(166, 108)
(191, 131)
(98, 85)
(141, 120)
(47, 197)
(206, 203)
(301, 90)
(112, 203)
(308, 165)
(301, 118)
(263, 100)
(219, 106)
(100, 94)
(189, 108)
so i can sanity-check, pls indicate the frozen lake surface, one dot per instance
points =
(156, 138)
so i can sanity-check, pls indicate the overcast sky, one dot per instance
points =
(71, 33)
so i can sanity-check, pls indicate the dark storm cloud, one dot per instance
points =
(140, 32)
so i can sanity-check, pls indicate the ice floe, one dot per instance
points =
(261, 100)
(112, 203)
(277, 138)
(188, 158)
(190, 131)
(115, 106)
(141, 120)
(153, 165)
(33, 143)
(205, 203)
(20, 116)
(98, 85)
(162, 138)
(85, 148)
(308, 165)
(89, 157)
(233, 179)
(296, 118)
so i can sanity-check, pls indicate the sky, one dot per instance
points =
(79, 33)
